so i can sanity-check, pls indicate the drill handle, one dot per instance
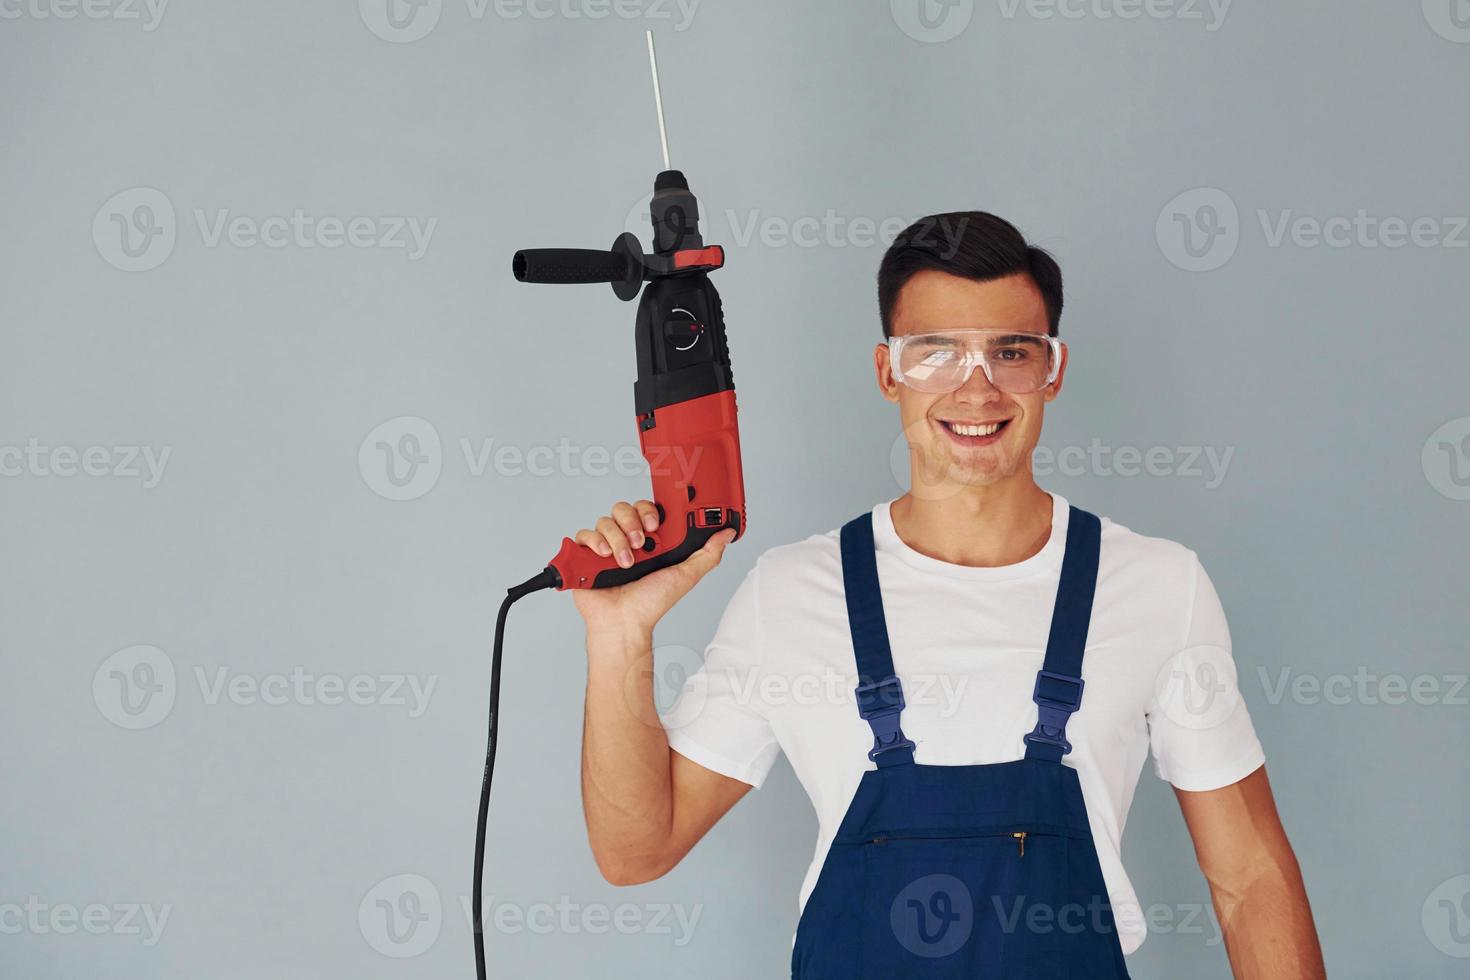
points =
(622, 265)
(693, 453)
(568, 265)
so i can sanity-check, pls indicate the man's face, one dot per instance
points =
(946, 459)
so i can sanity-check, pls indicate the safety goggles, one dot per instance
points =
(1016, 363)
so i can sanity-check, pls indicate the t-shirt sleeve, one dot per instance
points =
(1200, 731)
(718, 720)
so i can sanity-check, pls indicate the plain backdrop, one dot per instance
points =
(245, 683)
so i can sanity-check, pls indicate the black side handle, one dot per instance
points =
(621, 265)
(568, 265)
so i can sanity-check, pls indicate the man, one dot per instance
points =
(971, 799)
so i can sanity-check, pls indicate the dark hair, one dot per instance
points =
(971, 244)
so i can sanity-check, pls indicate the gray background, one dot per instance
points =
(1334, 375)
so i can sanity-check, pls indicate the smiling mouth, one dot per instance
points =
(973, 434)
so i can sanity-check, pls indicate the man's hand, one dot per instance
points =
(636, 607)
(1254, 881)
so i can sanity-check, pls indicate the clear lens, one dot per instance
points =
(937, 362)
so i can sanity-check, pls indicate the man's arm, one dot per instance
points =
(1254, 881)
(646, 805)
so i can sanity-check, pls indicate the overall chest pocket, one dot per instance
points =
(959, 904)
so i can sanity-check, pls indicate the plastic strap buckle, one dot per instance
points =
(1053, 711)
(880, 704)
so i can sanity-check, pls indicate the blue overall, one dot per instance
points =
(984, 871)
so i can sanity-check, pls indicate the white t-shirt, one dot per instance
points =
(967, 642)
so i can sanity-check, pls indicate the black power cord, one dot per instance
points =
(546, 579)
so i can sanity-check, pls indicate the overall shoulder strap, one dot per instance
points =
(879, 691)
(1058, 690)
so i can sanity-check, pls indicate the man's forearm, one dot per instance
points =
(626, 786)
(1269, 933)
